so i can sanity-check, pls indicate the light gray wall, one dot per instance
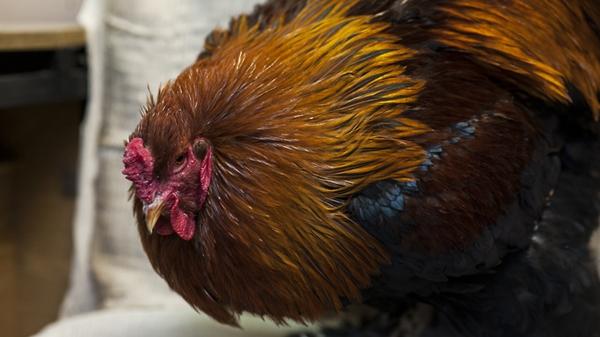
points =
(38, 11)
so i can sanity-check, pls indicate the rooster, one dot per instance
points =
(323, 153)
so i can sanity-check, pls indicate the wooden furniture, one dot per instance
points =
(42, 64)
(43, 89)
(40, 37)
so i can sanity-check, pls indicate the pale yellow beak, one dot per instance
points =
(153, 212)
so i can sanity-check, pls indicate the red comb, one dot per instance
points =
(139, 165)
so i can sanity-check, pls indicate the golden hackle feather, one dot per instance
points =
(549, 43)
(300, 117)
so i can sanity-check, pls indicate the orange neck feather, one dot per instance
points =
(546, 43)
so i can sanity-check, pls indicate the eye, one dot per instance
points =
(180, 160)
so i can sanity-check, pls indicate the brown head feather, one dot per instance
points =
(300, 116)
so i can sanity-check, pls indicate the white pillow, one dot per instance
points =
(159, 323)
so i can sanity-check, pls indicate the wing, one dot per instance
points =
(495, 155)
(492, 165)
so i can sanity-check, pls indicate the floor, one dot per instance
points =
(36, 210)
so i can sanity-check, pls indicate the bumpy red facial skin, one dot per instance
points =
(139, 167)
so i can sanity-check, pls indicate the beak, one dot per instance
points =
(153, 212)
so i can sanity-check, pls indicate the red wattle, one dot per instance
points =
(183, 224)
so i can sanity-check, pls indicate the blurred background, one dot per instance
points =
(73, 77)
(43, 90)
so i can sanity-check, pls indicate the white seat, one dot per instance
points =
(147, 322)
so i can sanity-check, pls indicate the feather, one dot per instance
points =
(383, 152)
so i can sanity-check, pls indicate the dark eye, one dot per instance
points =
(180, 160)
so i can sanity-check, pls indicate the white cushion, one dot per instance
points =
(158, 323)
